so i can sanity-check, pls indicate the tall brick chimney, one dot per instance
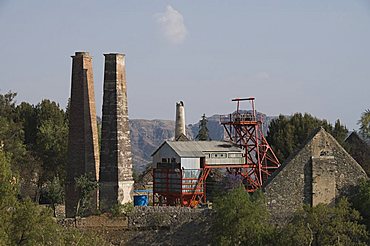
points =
(83, 149)
(116, 181)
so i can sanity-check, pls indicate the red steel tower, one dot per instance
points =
(244, 128)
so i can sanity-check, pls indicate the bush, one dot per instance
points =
(325, 225)
(241, 219)
(122, 209)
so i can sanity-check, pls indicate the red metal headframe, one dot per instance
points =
(244, 128)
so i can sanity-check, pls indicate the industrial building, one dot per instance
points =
(180, 165)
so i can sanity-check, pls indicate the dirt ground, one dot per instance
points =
(192, 233)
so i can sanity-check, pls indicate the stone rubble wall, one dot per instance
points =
(155, 217)
(140, 218)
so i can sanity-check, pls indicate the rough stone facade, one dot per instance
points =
(320, 172)
(359, 149)
(116, 181)
(83, 150)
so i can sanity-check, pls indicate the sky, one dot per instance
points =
(292, 56)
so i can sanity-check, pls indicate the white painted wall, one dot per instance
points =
(190, 163)
(165, 152)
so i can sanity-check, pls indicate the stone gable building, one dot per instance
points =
(320, 172)
(359, 148)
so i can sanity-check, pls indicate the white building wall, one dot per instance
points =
(190, 163)
(165, 152)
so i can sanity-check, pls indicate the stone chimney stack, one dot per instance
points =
(83, 149)
(180, 126)
(116, 181)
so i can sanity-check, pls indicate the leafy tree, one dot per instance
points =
(27, 116)
(32, 225)
(35, 138)
(241, 219)
(22, 161)
(287, 134)
(364, 123)
(54, 193)
(339, 132)
(51, 140)
(7, 105)
(8, 191)
(86, 187)
(361, 201)
(203, 130)
(325, 225)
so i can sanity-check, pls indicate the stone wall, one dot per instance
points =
(156, 217)
(320, 172)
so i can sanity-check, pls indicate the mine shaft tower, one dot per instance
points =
(244, 128)
(182, 167)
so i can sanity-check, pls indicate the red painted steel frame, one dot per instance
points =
(245, 130)
(164, 195)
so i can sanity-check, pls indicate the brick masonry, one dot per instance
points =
(320, 172)
(116, 182)
(83, 150)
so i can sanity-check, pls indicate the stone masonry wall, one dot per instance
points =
(321, 171)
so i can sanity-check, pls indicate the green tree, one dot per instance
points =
(241, 219)
(364, 123)
(23, 162)
(27, 116)
(54, 193)
(8, 191)
(203, 130)
(33, 225)
(287, 134)
(86, 188)
(51, 140)
(325, 225)
(361, 201)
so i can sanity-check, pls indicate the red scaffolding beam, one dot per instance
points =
(244, 128)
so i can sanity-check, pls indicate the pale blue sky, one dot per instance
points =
(293, 56)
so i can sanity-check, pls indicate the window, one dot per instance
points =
(235, 155)
(219, 155)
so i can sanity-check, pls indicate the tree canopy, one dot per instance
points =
(364, 123)
(203, 130)
(35, 140)
(287, 134)
(23, 222)
(325, 225)
(241, 219)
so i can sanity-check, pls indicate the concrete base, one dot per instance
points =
(112, 193)
(125, 191)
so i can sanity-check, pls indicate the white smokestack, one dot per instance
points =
(180, 120)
